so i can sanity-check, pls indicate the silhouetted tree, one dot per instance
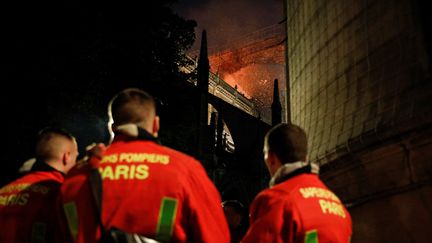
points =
(68, 57)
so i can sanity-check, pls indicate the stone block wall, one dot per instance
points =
(356, 67)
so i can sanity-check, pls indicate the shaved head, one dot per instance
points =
(132, 106)
(287, 141)
(57, 148)
(52, 142)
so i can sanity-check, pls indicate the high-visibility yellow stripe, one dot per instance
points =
(166, 219)
(72, 218)
(311, 236)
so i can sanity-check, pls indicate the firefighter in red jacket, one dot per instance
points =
(28, 206)
(147, 189)
(298, 207)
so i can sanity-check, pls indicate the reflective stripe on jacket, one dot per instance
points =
(147, 189)
(300, 209)
(29, 208)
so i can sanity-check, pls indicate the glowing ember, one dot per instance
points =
(232, 81)
(256, 81)
(252, 70)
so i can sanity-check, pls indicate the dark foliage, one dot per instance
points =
(65, 59)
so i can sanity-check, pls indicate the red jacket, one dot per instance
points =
(300, 209)
(29, 208)
(151, 190)
(79, 207)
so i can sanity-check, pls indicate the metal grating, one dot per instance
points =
(356, 67)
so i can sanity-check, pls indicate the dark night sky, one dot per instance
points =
(62, 60)
(33, 31)
(228, 20)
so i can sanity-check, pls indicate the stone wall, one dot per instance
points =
(356, 67)
(360, 85)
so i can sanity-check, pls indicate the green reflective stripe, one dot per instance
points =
(311, 236)
(38, 232)
(72, 218)
(166, 219)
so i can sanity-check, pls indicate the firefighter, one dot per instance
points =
(235, 214)
(28, 206)
(297, 207)
(147, 189)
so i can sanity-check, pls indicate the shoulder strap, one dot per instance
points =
(96, 188)
(113, 235)
(95, 181)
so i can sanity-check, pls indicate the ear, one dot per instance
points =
(271, 158)
(273, 163)
(156, 126)
(65, 158)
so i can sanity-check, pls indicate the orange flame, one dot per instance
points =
(231, 80)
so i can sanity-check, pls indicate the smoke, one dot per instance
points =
(227, 21)
(256, 81)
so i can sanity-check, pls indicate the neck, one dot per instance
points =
(134, 131)
(56, 165)
(41, 165)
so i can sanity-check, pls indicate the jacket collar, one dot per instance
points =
(289, 170)
(133, 132)
(40, 165)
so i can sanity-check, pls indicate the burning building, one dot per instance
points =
(250, 65)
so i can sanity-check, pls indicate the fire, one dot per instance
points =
(256, 81)
(252, 69)
(232, 81)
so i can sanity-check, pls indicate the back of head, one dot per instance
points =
(52, 142)
(234, 211)
(132, 106)
(288, 142)
(236, 205)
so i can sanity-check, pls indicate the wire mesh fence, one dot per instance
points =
(357, 68)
